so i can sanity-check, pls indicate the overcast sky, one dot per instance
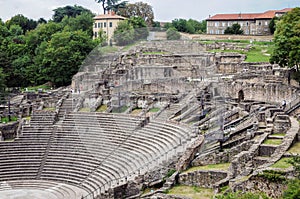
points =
(164, 10)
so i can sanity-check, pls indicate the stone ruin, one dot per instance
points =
(212, 108)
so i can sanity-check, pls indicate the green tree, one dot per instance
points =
(173, 34)
(234, 29)
(102, 38)
(22, 21)
(82, 22)
(180, 25)
(124, 33)
(69, 11)
(203, 27)
(140, 28)
(59, 59)
(2, 81)
(138, 9)
(111, 5)
(287, 40)
(168, 25)
(272, 24)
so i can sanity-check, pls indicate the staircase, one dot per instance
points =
(293, 105)
(168, 112)
(50, 140)
(67, 106)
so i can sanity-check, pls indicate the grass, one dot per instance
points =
(237, 41)
(27, 118)
(279, 134)
(9, 140)
(148, 190)
(154, 110)
(222, 166)
(108, 49)
(102, 108)
(282, 163)
(6, 119)
(136, 111)
(295, 148)
(36, 88)
(129, 46)
(49, 109)
(259, 53)
(226, 50)
(273, 141)
(84, 110)
(191, 192)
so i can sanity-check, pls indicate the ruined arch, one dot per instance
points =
(241, 96)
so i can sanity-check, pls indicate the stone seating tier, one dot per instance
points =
(90, 150)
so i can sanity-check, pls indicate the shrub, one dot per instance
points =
(173, 34)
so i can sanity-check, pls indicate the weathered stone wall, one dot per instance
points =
(266, 150)
(260, 91)
(202, 178)
(220, 157)
(260, 184)
(9, 131)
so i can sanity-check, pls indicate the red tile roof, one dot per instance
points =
(284, 10)
(110, 15)
(267, 15)
(249, 16)
(233, 16)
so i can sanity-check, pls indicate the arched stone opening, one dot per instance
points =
(241, 96)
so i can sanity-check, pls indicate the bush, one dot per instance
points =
(124, 33)
(173, 34)
(234, 29)
(293, 190)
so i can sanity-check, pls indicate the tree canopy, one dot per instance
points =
(173, 34)
(189, 26)
(235, 29)
(287, 40)
(272, 24)
(111, 5)
(22, 21)
(131, 30)
(50, 52)
(138, 9)
(69, 11)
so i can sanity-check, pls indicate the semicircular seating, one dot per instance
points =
(91, 151)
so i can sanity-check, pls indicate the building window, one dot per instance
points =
(259, 23)
(224, 24)
(95, 25)
(266, 23)
(247, 23)
(216, 24)
(99, 25)
(95, 34)
(110, 24)
(104, 25)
